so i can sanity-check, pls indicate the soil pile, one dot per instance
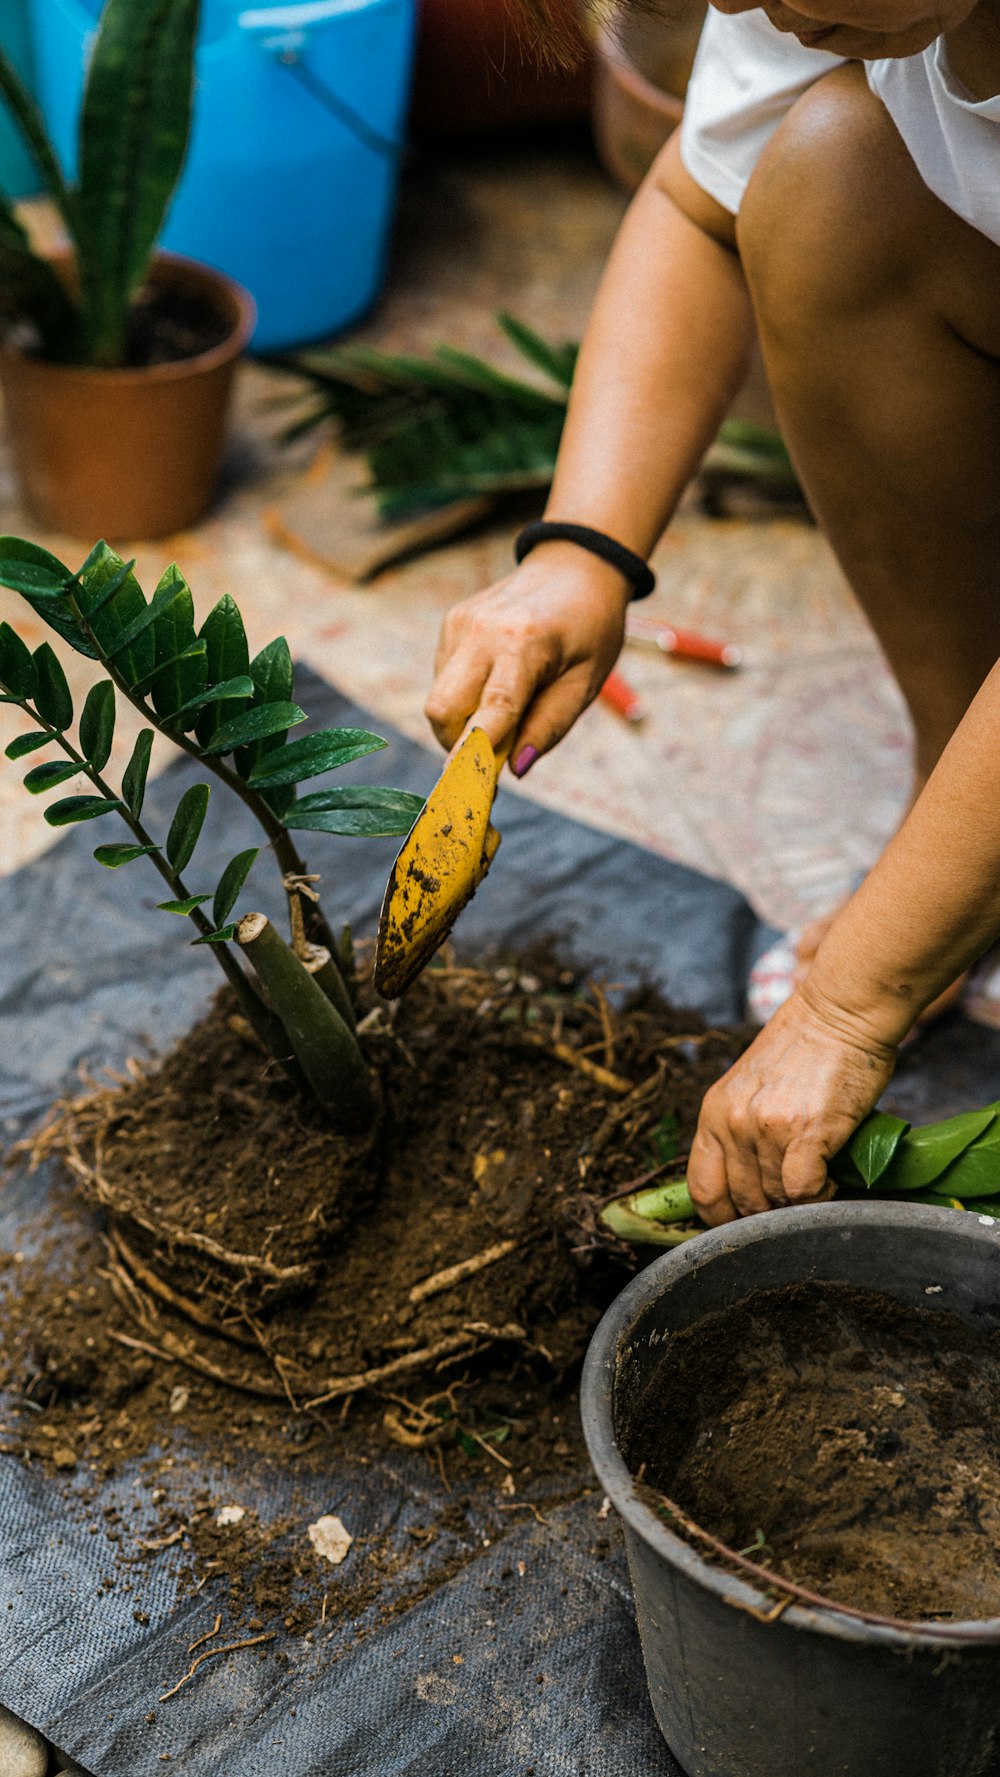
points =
(444, 1279)
(841, 1439)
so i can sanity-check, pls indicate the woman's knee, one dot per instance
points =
(821, 231)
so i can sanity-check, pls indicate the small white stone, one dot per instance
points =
(933, 1289)
(23, 1752)
(330, 1539)
(987, 1221)
(227, 1515)
(179, 1399)
(604, 1508)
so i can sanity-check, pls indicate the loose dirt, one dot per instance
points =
(433, 1289)
(841, 1439)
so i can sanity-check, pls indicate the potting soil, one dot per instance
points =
(435, 1584)
(845, 1440)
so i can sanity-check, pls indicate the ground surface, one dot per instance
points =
(783, 778)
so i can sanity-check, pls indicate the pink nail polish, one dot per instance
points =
(524, 761)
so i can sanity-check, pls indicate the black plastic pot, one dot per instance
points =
(820, 1691)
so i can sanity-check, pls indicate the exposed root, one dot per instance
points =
(452, 1274)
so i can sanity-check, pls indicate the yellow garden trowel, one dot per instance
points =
(444, 858)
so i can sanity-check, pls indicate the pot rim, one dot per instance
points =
(612, 52)
(596, 1392)
(233, 346)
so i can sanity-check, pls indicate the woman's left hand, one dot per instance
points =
(769, 1126)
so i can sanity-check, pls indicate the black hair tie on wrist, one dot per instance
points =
(637, 572)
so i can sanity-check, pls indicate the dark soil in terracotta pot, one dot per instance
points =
(841, 1439)
(514, 1099)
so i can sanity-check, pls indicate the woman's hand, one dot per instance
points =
(528, 655)
(769, 1126)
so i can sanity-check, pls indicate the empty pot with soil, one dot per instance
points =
(798, 1419)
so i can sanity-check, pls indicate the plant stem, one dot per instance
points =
(620, 1219)
(325, 1048)
(253, 1006)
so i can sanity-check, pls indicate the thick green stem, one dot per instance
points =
(621, 1220)
(327, 976)
(325, 1048)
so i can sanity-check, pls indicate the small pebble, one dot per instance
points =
(23, 1752)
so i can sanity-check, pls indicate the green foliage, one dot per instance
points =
(201, 691)
(954, 1165)
(452, 427)
(134, 128)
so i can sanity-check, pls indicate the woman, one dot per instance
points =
(836, 183)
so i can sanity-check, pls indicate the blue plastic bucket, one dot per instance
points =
(291, 177)
(18, 176)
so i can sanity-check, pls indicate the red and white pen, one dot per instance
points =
(619, 696)
(686, 644)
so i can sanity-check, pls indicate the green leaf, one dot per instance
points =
(113, 856)
(162, 598)
(134, 775)
(32, 571)
(112, 601)
(46, 777)
(224, 935)
(194, 651)
(254, 724)
(43, 582)
(228, 658)
(273, 680)
(133, 134)
(558, 362)
(173, 635)
(29, 121)
(924, 1155)
(314, 753)
(17, 669)
(97, 724)
(976, 1173)
(229, 688)
(187, 824)
(28, 743)
(30, 289)
(52, 696)
(230, 883)
(361, 811)
(183, 907)
(79, 808)
(872, 1146)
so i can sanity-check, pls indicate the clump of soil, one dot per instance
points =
(514, 1099)
(844, 1440)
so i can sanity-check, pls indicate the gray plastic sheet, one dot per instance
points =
(524, 1661)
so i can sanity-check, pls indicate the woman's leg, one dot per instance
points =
(879, 316)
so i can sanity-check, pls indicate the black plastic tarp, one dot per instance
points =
(526, 1659)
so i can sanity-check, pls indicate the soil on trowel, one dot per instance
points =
(447, 1274)
(841, 1439)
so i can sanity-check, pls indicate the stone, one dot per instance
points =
(23, 1752)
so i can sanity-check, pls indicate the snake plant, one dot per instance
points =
(233, 714)
(954, 1164)
(133, 137)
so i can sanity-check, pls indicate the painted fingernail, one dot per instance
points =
(524, 761)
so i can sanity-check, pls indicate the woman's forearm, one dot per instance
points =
(932, 903)
(665, 351)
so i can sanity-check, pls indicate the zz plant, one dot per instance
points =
(134, 129)
(954, 1164)
(233, 714)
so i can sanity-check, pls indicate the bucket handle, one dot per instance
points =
(287, 29)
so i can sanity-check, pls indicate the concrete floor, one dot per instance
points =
(783, 777)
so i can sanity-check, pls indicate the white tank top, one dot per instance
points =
(747, 75)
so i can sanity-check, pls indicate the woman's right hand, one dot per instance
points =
(526, 657)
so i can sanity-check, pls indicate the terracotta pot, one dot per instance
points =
(476, 70)
(641, 72)
(127, 454)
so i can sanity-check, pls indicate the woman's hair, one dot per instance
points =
(557, 28)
